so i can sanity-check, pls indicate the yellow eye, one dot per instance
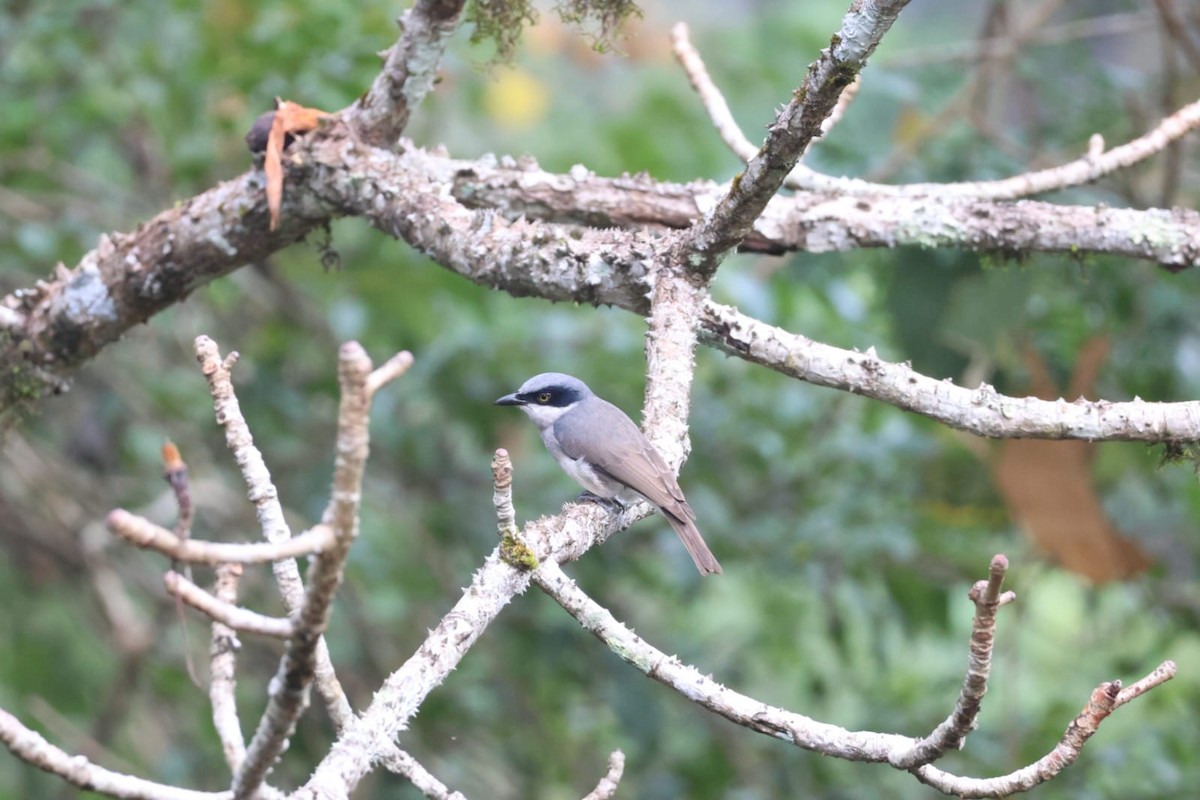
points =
(544, 397)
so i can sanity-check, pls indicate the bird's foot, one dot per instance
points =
(610, 503)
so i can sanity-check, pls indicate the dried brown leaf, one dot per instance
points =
(1048, 487)
(290, 119)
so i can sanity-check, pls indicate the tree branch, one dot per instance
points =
(368, 737)
(364, 741)
(289, 689)
(1104, 700)
(422, 779)
(821, 222)
(409, 69)
(29, 746)
(222, 688)
(56, 326)
(607, 788)
(225, 613)
(724, 227)
(670, 363)
(143, 533)
(359, 382)
(820, 737)
(982, 411)
(952, 733)
(1095, 164)
(264, 495)
(52, 329)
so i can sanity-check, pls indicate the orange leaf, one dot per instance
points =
(290, 119)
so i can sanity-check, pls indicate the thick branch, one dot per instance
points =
(670, 363)
(56, 326)
(53, 328)
(823, 223)
(128, 278)
(605, 266)
(408, 200)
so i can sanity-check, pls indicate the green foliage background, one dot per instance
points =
(849, 531)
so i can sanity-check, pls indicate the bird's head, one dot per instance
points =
(546, 397)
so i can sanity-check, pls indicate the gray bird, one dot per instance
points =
(599, 446)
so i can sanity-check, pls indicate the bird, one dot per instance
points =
(599, 446)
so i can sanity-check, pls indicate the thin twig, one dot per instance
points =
(1092, 166)
(143, 533)
(31, 747)
(387, 372)
(260, 488)
(242, 620)
(265, 496)
(513, 548)
(422, 779)
(1161, 674)
(612, 779)
(222, 688)
(808, 733)
(1105, 699)
(289, 690)
(502, 481)
(952, 733)
(780, 723)
(175, 472)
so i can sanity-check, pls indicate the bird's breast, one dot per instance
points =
(583, 472)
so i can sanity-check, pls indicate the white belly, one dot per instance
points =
(595, 482)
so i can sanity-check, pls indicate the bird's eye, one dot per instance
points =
(544, 397)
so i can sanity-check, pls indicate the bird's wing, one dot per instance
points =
(616, 446)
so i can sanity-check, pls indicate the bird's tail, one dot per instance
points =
(689, 534)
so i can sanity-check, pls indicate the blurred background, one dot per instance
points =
(849, 531)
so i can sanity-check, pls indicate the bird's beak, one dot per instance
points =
(510, 400)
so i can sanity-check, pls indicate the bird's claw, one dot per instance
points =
(611, 503)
